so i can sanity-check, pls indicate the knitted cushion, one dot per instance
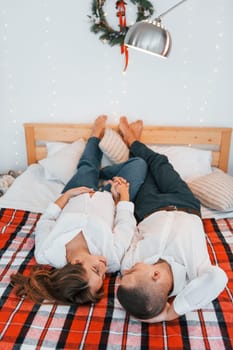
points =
(114, 147)
(214, 190)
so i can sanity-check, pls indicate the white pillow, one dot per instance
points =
(53, 147)
(61, 161)
(214, 190)
(189, 162)
(114, 147)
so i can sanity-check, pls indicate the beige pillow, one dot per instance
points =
(114, 147)
(214, 190)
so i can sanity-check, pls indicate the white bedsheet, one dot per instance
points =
(210, 213)
(33, 192)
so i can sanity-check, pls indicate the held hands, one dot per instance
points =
(119, 189)
(73, 192)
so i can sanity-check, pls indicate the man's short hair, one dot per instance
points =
(142, 301)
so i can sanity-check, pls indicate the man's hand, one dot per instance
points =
(119, 189)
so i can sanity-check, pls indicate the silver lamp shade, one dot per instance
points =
(149, 37)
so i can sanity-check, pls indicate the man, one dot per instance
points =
(168, 255)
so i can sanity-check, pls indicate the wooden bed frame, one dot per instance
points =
(105, 325)
(216, 139)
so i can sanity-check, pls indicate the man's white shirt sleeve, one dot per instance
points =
(201, 291)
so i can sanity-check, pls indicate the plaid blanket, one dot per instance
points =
(24, 325)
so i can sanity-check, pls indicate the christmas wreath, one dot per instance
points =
(101, 25)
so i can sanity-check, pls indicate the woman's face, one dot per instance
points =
(96, 268)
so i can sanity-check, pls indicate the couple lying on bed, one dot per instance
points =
(88, 232)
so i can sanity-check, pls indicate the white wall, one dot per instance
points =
(53, 69)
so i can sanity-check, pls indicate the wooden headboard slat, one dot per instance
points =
(30, 143)
(62, 134)
(216, 159)
(225, 149)
(214, 138)
(41, 152)
(182, 135)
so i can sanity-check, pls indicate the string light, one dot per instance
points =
(187, 62)
(112, 97)
(213, 72)
(10, 97)
(51, 65)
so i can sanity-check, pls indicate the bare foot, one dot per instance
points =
(99, 126)
(126, 132)
(137, 127)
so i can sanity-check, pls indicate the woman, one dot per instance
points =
(85, 233)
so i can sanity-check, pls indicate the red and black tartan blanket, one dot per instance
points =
(24, 325)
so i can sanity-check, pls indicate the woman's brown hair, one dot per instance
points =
(67, 286)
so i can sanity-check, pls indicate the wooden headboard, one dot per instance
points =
(216, 139)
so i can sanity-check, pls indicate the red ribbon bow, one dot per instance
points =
(121, 13)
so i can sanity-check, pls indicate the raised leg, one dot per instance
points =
(87, 173)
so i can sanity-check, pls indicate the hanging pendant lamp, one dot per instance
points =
(150, 36)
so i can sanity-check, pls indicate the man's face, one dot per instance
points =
(138, 272)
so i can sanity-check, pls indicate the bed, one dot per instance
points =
(24, 325)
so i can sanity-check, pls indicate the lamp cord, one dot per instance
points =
(171, 8)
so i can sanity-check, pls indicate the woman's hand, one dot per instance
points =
(73, 192)
(76, 191)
